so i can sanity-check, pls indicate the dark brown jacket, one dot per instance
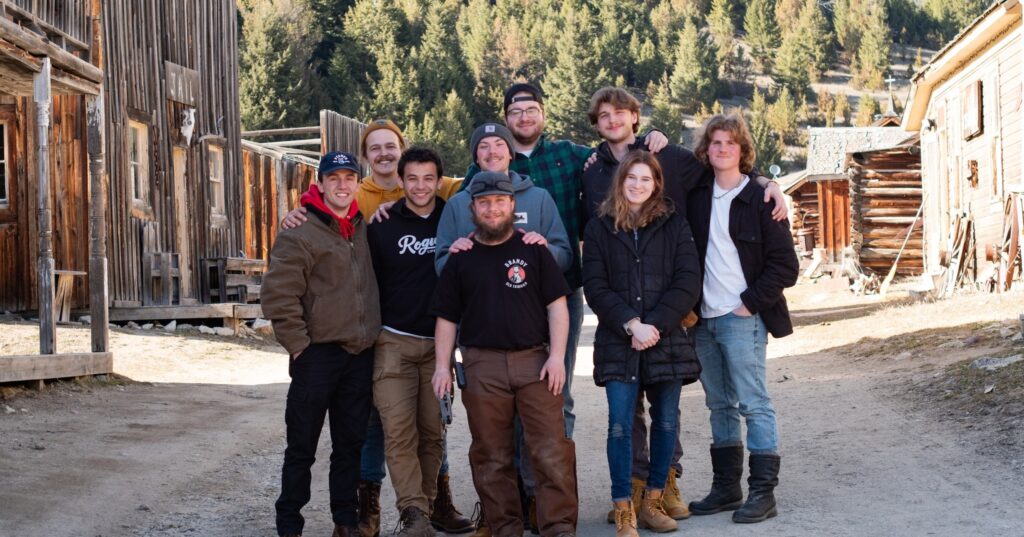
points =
(320, 287)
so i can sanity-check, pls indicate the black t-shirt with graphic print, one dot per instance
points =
(499, 294)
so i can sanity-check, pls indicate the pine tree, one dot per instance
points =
(438, 58)
(827, 108)
(575, 76)
(395, 93)
(950, 16)
(792, 61)
(843, 108)
(445, 128)
(648, 63)
(847, 21)
(695, 74)
(272, 85)
(480, 50)
(867, 109)
(782, 116)
(871, 61)
(766, 143)
(722, 29)
(665, 115)
(762, 33)
(814, 26)
(806, 50)
(787, 13)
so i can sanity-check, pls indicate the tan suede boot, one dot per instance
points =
(638, 496)
(625, 519)
(673, 500)
(653, 516)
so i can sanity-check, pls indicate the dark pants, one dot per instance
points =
(325, 380)
(641, 454)
(499, 384)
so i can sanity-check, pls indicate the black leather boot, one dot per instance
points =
(726, 493)
(764, 477)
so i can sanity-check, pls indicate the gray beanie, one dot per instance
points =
(487, 130)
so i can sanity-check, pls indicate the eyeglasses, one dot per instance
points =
(530, 112)
(477, 187)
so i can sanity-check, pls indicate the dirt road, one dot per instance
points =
(193, 445)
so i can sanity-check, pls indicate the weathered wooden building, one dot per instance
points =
(820, 195)
(885, 203)
(170, 83)
(52, 182)
(966, 105)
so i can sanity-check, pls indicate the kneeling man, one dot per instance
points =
(509, 298)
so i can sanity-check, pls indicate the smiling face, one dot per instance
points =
(724, 152)
(383, 149)
(420, 182)
(493, 154)
(638, 185)
(615, 124)
(339, 189)
(525, 119)
(492, 215)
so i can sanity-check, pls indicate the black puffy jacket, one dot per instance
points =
(653, 275)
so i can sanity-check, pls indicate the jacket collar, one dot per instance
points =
(403, 210)
(604, 150)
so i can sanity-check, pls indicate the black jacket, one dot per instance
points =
(765, 249)
(656, 278)
(402, 248)
(680, 167)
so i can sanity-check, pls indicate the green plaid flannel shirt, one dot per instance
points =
(556, 166)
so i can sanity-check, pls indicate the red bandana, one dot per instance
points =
(314, 197)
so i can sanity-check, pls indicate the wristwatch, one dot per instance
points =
(625, 326)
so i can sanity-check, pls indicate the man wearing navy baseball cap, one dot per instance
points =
(320, 292)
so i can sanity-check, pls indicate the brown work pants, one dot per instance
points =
(499, 384)
(411, 416)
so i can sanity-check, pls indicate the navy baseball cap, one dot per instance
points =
(338, 160)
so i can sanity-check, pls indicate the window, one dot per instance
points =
(215, 165)
(4, 201)
(138, 161)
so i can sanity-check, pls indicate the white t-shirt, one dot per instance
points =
(723, 274)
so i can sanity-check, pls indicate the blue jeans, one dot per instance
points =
(732, 352)
(622, 396)
(575, 303)
(371, 466)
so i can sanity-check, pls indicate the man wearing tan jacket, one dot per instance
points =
(321, 294)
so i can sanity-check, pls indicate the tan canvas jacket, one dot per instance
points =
(320, 288)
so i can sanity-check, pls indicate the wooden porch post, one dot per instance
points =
(98, 292)
(44, 261)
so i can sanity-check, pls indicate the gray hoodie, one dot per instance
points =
(535, 211)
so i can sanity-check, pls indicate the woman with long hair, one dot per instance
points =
(641, 276)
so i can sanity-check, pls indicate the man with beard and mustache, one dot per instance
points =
(381, 147)
(513, 357)
(615, 113)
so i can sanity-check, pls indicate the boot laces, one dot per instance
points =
(478, 515)
(625, 517)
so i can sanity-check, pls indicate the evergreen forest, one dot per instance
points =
(438, 67)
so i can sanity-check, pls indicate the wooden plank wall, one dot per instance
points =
(69, 193)
(339, 133)
(885, 194)
(805, 207)
(140, 37)
(270, 185)
(834, 221)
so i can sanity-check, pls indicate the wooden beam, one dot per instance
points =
(40, 46)
(54, 366)
(44, 261)
(99, 294)
(282, 132)
(149, 313)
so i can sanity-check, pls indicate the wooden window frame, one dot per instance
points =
(5, 182)
(972, 110)
(142, 204)
(216, 179)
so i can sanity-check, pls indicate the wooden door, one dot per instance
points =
(182, 222)
(15, 278)
(834, 220)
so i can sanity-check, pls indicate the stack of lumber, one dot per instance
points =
(961, 260)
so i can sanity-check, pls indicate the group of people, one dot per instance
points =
(373, 283)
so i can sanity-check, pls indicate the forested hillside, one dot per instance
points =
(439, 67)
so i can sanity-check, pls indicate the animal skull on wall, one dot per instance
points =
(188, 124)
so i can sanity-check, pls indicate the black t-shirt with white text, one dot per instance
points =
(499, 294)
